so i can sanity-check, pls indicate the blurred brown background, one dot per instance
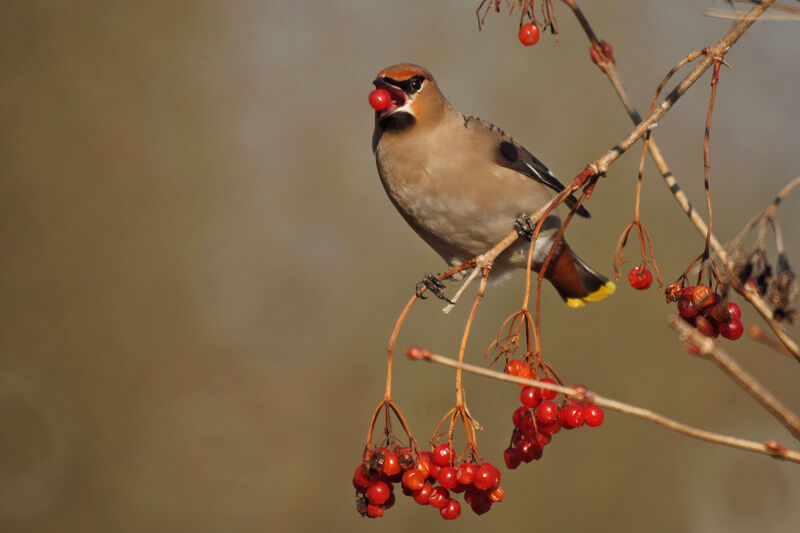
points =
(200, 268)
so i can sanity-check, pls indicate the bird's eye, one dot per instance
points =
(415, 84)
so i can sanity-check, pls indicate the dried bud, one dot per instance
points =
(673, 292)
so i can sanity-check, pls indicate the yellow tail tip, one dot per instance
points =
(606, 290)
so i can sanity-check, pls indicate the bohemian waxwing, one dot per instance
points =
(461, 183)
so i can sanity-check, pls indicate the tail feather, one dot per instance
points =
(577, 282)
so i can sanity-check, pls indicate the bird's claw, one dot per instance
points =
(434, 285)
(524, 226)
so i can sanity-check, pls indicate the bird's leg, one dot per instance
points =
(524, 226)
(433, 285)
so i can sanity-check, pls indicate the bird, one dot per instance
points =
(463, 184)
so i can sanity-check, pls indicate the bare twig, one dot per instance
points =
(770, 448)
(709, 349)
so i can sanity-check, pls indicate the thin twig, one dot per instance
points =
(771, 448)
(709, 349)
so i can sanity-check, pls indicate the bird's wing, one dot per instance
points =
(511, 154)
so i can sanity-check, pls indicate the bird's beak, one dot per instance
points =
(399, 97)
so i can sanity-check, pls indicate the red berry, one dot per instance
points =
(543, 439)
(391, 464)
(378, 493)
(481, 505)
(732, 330)
(413, 480)
(640, 277)
(734, 310)
(529, 397)
(530, 451)
(529, 34)
(519, 413)
(374, 511)
(547, 394)
(423, 467)
(422, 495)
(593, 415)
(514, 367)
(706, 327)
(443, 454)
(552, 428)
(380, 99)
(361, 481)
(448, 477)
(686, 308)
(439, 497)
(466, 473)
(573, 415)
(512, 458)
(451, 511)
(547, 412)
(485, 477)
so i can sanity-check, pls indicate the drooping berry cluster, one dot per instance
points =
(374, 478)
(542, 414)
(707, 311)
(640, 278)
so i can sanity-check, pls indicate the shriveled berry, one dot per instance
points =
(529, 34)
(529, 397)
(423, 467)
(514, 367)
(448, 477)
(702, 297)
(497, 495)
(439, 497)
(547, 412)
(413, 479)
(443, 454)
(732, 330)
(380, 99)
(593, 415)
(465, 473)
(451, 511)
(686, 308)
(378, 493)
(706, 327)
(640, 277)
(512, 458)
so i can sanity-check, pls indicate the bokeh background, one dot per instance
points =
(200, 269)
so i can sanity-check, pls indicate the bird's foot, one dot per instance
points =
(433, 285)
(524, 226)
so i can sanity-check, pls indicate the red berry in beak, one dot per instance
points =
(380, 99)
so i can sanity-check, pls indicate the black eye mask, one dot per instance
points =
(409, 86)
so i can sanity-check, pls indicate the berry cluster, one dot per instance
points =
(707, 311)
(541, 415)
(374, 478)
(640, 278)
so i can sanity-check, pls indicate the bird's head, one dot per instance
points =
(415, 95)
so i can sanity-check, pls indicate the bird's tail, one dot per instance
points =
(577, 282)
